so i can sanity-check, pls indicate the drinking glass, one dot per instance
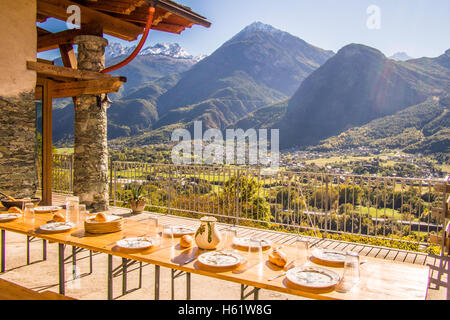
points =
(230, 233)
(28, 213)
(153, 229)
(255, 250)
(302, 250)
(351, 272)
(73, 210)
(167, 233)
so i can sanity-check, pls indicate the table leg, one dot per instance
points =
(110, 277)
(124, 275)
(3, 263)
(188, 286)
(62, 277)
(254, 291)
(44, 250)
(90, 261)
(28, 249)
(157, 273)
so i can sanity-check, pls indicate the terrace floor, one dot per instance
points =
(43, 275)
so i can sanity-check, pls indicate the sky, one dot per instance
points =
(418, 27)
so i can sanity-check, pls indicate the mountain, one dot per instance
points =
(258, 66)
(420, 128)
(149, 75)
(400, 56)
(357, 85)
(152, 63)
(264, 117)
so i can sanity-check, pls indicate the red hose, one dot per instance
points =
(151, 12)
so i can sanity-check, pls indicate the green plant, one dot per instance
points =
(137, 192)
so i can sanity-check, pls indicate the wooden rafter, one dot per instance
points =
(52, 71)
(116, 6)
(51, 41)
(173, 28)
(111, 25)
(76, 88)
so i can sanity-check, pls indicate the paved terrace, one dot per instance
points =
(43, 275)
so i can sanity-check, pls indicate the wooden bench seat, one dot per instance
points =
(12, 291)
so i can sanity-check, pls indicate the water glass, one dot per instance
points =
(73, 210)
(230, 233)
(153, 229)
(255, 250)
(302, 250)
(28, 213)
(351, 272)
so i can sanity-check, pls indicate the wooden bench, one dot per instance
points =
(12, 291)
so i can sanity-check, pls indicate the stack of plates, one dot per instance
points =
(112, 224)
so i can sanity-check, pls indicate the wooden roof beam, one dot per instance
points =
(51, 41)
(111, 25)
(49, 71)
(76, 88)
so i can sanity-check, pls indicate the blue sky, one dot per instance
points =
(417, 27)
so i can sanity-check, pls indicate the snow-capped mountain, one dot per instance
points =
(400, 56)
(174, 50)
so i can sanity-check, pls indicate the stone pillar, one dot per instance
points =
(91, 147)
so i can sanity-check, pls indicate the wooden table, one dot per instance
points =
(380, 279)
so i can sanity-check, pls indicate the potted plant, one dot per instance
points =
(137, 200)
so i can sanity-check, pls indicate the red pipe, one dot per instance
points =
(151, 12)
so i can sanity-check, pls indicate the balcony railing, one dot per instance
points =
(387, 208)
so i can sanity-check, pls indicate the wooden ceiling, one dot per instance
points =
(124, 19)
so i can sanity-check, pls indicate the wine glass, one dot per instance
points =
(302, 250)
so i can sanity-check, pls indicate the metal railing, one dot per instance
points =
(62, 173)
(389, 208)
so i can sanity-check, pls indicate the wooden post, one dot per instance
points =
(47, 157)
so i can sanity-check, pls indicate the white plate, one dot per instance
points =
(109, 218)
(178, 231)
(220, 259)
(136, 243)
(57, 226)
(46, 209)
(246, 242)
(313, 277)
(5, 217)
(331, 256)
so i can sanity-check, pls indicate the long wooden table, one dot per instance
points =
(380, 279)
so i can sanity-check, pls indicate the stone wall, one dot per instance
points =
(18, 170)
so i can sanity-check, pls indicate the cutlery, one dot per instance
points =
(188, 261)
(277, 276)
